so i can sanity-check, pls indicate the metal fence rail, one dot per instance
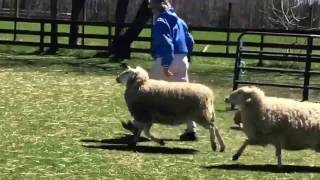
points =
(308, 58)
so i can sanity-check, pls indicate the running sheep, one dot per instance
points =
(283, 123)
(171, 103)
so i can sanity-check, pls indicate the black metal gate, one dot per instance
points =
(270, 51)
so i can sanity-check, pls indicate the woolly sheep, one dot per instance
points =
(171, 103)
(284, 123)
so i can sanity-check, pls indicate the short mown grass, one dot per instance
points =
(61, 119)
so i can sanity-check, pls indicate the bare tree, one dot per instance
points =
(77, 8)
(284, 13)
(120, 47)
(54, 28)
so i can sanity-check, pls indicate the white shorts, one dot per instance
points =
(179, 67)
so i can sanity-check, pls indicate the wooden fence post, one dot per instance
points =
(307, 70)
(110, 35)
(42, 31)
(260, 63)
(228, 26)
(16, 15)
(84, 17)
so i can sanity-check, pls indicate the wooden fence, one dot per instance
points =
(226, 44)
(209, 13)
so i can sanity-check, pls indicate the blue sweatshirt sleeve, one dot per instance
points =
(189, 39)
(162, 43)
(189, 42)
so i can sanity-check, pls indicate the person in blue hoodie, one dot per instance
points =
(170, 46)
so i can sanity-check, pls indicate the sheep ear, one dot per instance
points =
(248, 100)
(125, 66)
(138, 68)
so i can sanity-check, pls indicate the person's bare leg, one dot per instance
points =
(189, 133)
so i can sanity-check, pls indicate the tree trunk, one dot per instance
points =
(77, 8)
(121, 12)
(120, 47)
(54, 27)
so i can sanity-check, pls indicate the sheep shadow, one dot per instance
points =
(266, 168)
(121, 144)
(120, 140)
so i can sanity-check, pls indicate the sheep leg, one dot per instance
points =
(213, 138)
(220, 140)
(135, 139)
(137, 129)
(149, 135)
(278, 154)
(240, 150)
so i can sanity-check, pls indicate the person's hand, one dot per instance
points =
(167, 72)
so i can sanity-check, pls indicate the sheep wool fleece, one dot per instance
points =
(179, 67)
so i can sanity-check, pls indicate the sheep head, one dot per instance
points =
(133, 76)
(244, 96)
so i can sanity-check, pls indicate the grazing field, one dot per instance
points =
(61, 119)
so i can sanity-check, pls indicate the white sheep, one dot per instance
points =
(284, 123)
(171, 103)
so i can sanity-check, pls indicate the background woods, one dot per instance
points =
(279, 14)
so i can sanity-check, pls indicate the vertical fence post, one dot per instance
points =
(307, 69)
(109, 35)
(237, 64)
(16, 15)
(84, 17)
(236, 75)
(228, 27)
(41, 48)
(260, 63)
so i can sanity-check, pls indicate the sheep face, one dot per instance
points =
(125, 75)
(137, 75)
(244, 95)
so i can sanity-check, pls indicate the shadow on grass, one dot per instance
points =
(121, 144)
(266, 168)
(126, 139)
(67, 65)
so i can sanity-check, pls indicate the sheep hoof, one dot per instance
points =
(235, 157)
(214, 147)
(161, 142)
(128, 126)
(222, 149)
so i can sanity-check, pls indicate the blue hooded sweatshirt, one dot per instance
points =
(170, 36)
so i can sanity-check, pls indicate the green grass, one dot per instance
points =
(50, 104)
